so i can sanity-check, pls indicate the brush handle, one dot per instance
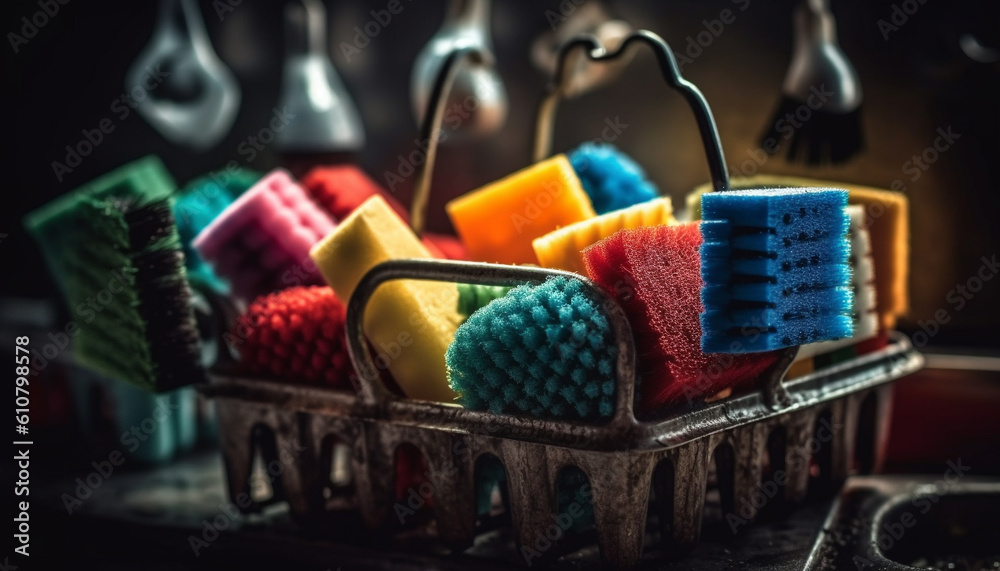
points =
(430, 129)
(671, 73)
(373, 392)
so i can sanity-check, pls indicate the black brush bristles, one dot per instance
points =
(816, 138)
(164, 294)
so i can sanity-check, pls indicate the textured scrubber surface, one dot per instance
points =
(610, 178)
(197, 205)
(164, 294)
(341, 189)
(775, 267)
(864, 313)
(544, 351)
(887, 220)
(261, 241)
(296, 335)
(654, 273)
(498, 222)
(563, 248)
(409, 322)
(471, 297)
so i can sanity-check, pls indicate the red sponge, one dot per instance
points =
(655, 274)
(295, 335)
(342, 188)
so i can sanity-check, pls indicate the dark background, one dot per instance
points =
(65, 79)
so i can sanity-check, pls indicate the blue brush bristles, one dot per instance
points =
(775, 267)
(610, 178)
(544, 351)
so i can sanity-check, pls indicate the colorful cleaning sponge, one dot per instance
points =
(295, 335)
(498, 222)
(113, 248)
(888, 223)
(261, 242)
(410, 323)
(563, 248)
(197, 205)
(472, 297)
(775, 267)
(544, 351)
(864, 313)
(654, 274)
(611, 178)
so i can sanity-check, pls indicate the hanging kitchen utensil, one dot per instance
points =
(477, 89)
(195, 103)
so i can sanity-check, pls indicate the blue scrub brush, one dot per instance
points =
(544, 351)
(775, 267)
(610, 178)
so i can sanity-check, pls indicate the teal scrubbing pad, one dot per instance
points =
(544, 351)
(197, 205)
(610, 178)
(775, 267)
(474, 296)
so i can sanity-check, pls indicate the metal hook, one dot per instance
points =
(430, 129)
(671, 73)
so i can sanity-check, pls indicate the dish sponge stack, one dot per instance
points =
(775, 267)
(653, 273)
(261, 242)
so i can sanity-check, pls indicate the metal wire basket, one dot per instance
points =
(626, 460)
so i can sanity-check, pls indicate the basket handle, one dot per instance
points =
(430, 128)
(671, 73)
(370, 387)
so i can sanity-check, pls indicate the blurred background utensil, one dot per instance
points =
(590, 18)
(321, 116)
(819, 117)
(190, 96)
(466, 25)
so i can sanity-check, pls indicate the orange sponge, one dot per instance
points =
(498, 222)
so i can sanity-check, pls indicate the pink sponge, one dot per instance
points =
(655, 274)
(261, 241)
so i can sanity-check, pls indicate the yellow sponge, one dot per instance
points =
(562, 249)
(409, 323)
(887, 216)
(498, 221)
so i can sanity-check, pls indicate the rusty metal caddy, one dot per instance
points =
(627, 460)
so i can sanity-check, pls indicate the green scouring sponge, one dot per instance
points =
(474, 296)
(544, 351)
(113, 248)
